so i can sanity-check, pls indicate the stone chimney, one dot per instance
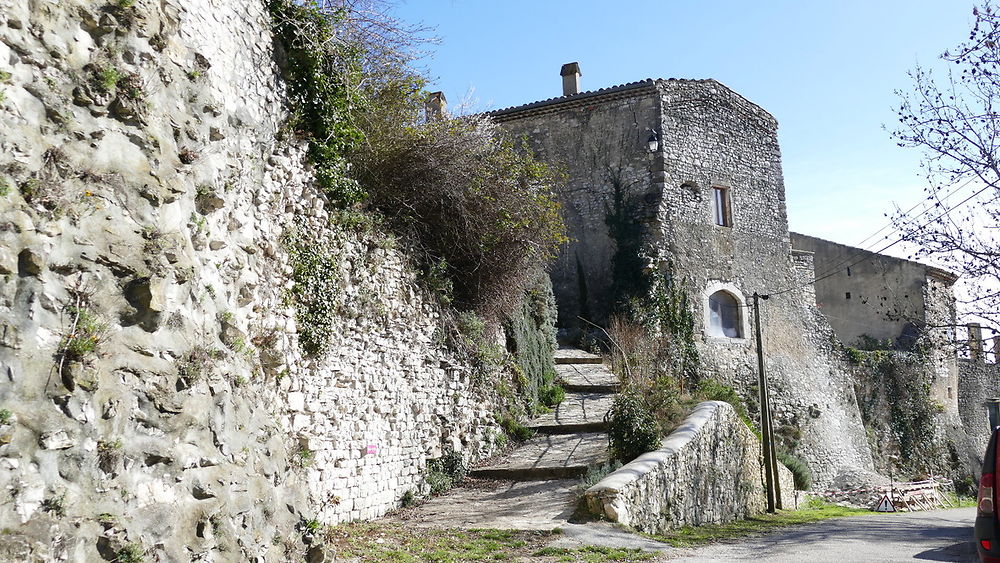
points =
(571, 78)
(975, 342)
(436, 106)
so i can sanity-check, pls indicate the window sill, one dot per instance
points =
(727, 340)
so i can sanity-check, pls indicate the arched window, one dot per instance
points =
(724, 315)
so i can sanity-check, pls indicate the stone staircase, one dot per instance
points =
(572, 437)
(534, 487)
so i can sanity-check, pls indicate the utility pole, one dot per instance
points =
(766, 428)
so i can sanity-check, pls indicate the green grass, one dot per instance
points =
(813, 511)
(375, 541)
(957, 501)
(595, 553)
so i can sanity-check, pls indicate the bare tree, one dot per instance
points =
(952, 116)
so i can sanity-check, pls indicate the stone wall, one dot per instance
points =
(155, 394)
(713, 137)
(708, 471)
(977, 382)
(603, 148)
(879, 296)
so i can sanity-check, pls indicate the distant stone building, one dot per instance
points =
(872, 296)
(878, 301)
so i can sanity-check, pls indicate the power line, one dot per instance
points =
(884, 248)
(844, 255)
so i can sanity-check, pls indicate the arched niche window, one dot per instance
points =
(724, 315)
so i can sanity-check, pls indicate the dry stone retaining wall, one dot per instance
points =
(708, 471)
(194, 427)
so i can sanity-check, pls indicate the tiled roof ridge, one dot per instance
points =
(610, 92)
(593, 94)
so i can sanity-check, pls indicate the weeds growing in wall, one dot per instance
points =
(893, 390)
(318, 68)
(316, 293)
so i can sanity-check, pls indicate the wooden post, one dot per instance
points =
(766, 437)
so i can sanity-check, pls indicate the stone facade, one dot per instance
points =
(624, 200)
(881, 297)
(978, 381)
(890, 301)
(146, 198)
(708, 471)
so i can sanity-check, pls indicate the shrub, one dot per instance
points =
(131, 553)
(469, 198)
(5, 417)
(55, 505)
(106, 79)
(632, 428)
(531, 340)
(443, 473)
(305, 456)
(551, 395)
(477, 209)
(85, 334)
(800, 471)
(515, 430)
(597, 472)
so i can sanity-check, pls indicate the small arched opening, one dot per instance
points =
(724, 315)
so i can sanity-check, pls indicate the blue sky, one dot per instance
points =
(826, 70)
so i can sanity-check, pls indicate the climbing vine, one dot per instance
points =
(319, 70)
(893, 391)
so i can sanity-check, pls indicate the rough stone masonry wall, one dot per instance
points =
(708, 471)
(713, 137)
(977, 382)
(710, 136)
(144, 202)
(603, 147)
(878, 296)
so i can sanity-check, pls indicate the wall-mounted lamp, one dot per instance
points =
(653, 143)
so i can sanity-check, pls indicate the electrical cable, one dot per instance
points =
(884, 248)
(843, 256)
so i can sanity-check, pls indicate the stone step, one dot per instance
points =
(550, 456)
(579, 412)
(586, 377)
(576, 356)
(485, 503)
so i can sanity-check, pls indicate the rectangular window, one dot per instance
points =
(720, 205)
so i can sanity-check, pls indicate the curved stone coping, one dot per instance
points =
(669, 448)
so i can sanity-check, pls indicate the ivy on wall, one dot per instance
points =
(893, 391)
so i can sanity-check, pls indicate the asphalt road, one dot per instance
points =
(938, 535)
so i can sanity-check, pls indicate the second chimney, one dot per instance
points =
(571, 78)
(436, 106)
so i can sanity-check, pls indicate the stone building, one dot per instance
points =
(875, 300)
(886, 299)
(684, 177)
